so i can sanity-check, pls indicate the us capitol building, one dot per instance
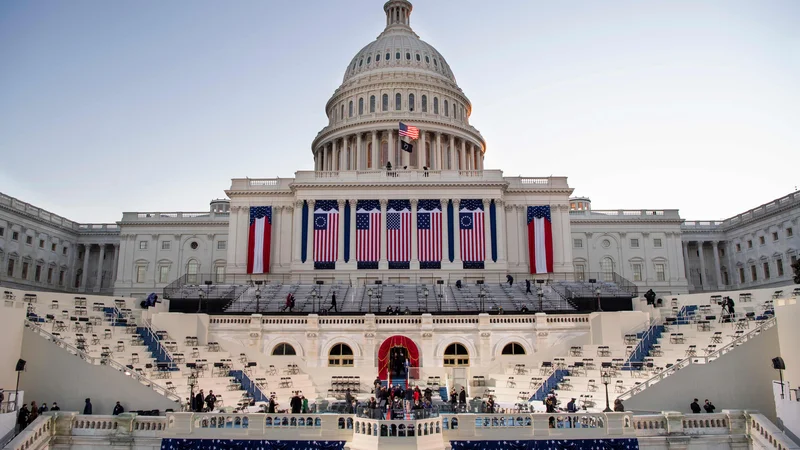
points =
(398, 78)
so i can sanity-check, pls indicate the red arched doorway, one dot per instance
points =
(404, 343)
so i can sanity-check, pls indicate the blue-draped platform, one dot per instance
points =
(572, 444)
(225, 444)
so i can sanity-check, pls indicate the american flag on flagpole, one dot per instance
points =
(398, 233)
(471, 226)
(408, 131)
(368, 233)
(429, 233)
(326, 234)
(259, 239)
(540, 239)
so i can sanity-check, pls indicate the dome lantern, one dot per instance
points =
(398, 13)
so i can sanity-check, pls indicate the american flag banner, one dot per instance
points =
(429, 234)
(471, 226)
(259, 239)
(540, 239)
(398, 234)
(368, 234)
(408, 131)
(326, 234)
(551, 444)
(245, 444)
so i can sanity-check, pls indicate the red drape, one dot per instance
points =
(384, 353)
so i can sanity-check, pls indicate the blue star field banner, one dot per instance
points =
(225, 444)
(558, 444)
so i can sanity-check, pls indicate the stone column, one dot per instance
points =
(334, 158)
(437, 151)
(352, 231)
(453, 153)
(277, 233)
(522, 239)
(457, 234)
(500, 210)
(391, 148)
(360, 162)
(116, 263)
(703, 279)
(384, 262)
(85, 273)
(310, 244)
(487, 230)
(685, 246)
(717, 268)
(376, 156)
(421, 160)
(405, 157)
(297, 227)
(463, 155)
(414, 254)
(445, 233)
(340, 250)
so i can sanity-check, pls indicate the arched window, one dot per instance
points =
(388, 55)
(350, 109)
(377, 57)
(418, 58)
(397, 56)
(456, 355)
(283, 349)
(341, 355)
(435, 105)
(410, 102)
(607, 268)
(385, 103)
(361, 106)
(424, 103)
(446, 111)
(341, 116)
(398, 100)
(372, 103)
(513, 349)
(192, 267)
(408, 56)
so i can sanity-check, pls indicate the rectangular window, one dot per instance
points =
(637, 272)
(779, 265)
(761, 240)
(577, 243)
(738, 247)
(657, 243)
(766, 271)
(661, 272)
(24, 271)
(749, 243)
(721, 252)
(2, 231)
(49, 275)
(37, 274)
(580, 272)
(163, 274)
(60, 277)
(41, 243)
(165, 245)
(741, 275)
(14, 236)
(64, 251)
(52, 247)
(774, 235)
(29, 240)
(142, 245)
(222, 245)
(753, 273)
(219, 272)
(634, 243)
(789, 232)
(141, 271)
(725, 279)
(10, 268)
(794, 260)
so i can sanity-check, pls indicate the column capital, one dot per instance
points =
(311, 203)
(715, 244)
(445, 202)
(153, 236)
(499, 202)
(487, 202)
(340, 202)
(277, 207)
(456, 202)
(384, 202)
(177, 236)
(414, 202)
(509, 207)
(298, 203)
(211, 236)
(289, 208)
(353, 202)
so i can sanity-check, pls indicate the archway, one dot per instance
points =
(390, 347)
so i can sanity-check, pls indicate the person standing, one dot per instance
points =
(211, 400)
(528, 287)
(709, 407)
(22, 417)
(34, 412)
(618, 406)
(87, 407)
(55, 407)
(695, 407)
(199, 398)
(118, 409)
(43, 408)
(462, 398)
(510, 280)
(296, 404)
(272, 404)
(305, 403)
(333, 302)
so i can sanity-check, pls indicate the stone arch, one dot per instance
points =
(497, 349)
(286, 339)
(438, 354)
(326, 349)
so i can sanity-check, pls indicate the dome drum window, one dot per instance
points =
(424, 103)
(427, 59)
(397, 56)
(377, 57)
(388, 56)
(372, 104)
(361, 63)
(369, 59)
(385, 103)
(361, 106)
(435, 105)
(411, 102)
(408, 56)
(398, 100)
(418, 58)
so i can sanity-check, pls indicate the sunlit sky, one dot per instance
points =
(147, 105)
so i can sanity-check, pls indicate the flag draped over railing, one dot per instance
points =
(326, 234)
(398, 234)
(429, 234)
(540, 239)
(368, 234)
(550, 444)
(259, 239)
(216, 444)
(471, 237)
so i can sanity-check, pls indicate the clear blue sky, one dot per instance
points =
(152, 105)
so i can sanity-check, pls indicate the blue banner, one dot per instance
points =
(493, 228)
(304, 234)
(219, 444)
(556, 444)
(347, 220)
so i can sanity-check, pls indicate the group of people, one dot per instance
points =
(395, 398)
(707, 406)
(25, 415)
(458, 398)
(399, 364)
(203, 403)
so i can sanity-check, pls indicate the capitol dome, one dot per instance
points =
(398, 78)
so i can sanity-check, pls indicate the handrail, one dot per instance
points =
(690, 360)
(107, 361)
